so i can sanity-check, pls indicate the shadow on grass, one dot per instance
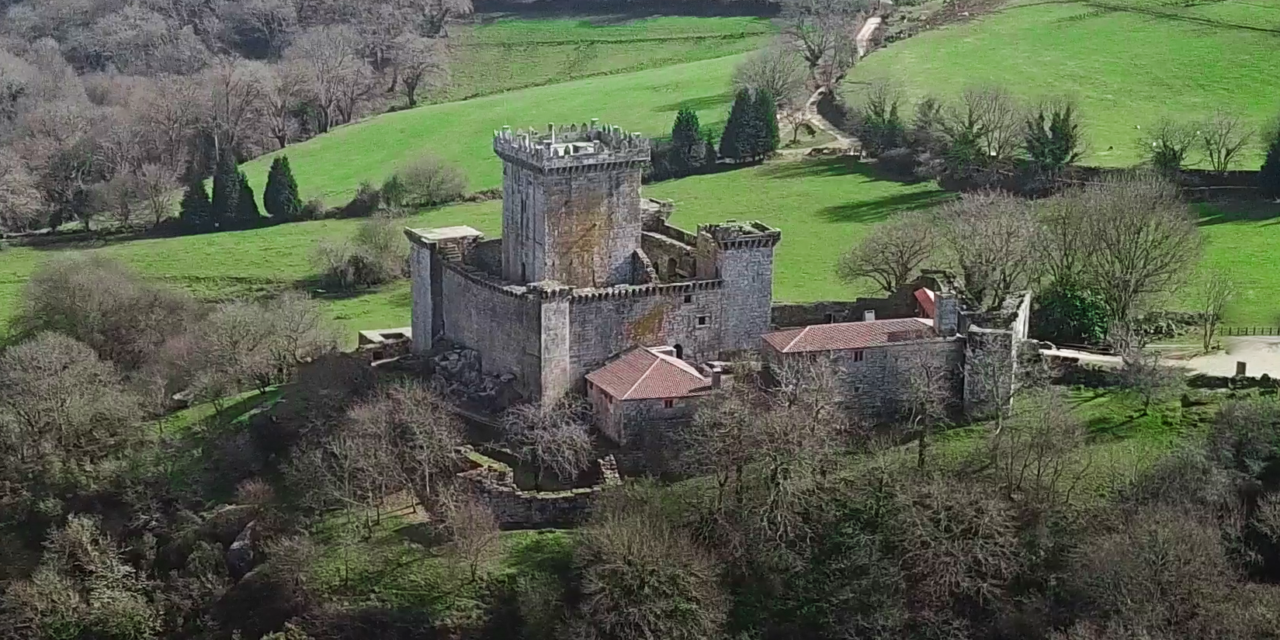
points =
(1238, 211)
(877, 210)
(821, 168)
(697, 104)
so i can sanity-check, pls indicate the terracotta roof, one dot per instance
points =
(849, 335)
(926, 299)
(642, 374)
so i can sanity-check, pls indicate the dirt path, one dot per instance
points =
(868, 31)
(1260, 355)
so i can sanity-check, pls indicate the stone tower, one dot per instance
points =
(570, 204)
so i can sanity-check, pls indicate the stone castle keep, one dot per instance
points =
(586, 268)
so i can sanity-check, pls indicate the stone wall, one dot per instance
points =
(487, 257)
(425, 282)
(748, 295)
(785, 315)
(872, 382)
(515, 508)
(498, 324)
(608, 322)
(673, 259)
(652, 436)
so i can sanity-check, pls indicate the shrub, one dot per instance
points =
(314, 209)
(280, 198)
(428, 181)
(1053, 138)
(1269, 176)
(900, 162)
(364, 204)
(376, 254)
(1070, 314)
(1167, 144)
(880, 127)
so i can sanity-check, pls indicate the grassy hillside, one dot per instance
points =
(512, 53)
(1127, 62)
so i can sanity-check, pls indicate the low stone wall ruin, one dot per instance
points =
(494, 484)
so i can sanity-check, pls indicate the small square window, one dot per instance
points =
(703, 320)
(857, 389)
(857, 356)
(688, 297)
(668, 403)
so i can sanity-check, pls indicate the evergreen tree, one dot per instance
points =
(280, 198)
(226, 192)
(1269, 176)
(194, 212)
(738, 141)
(687, 149)
(247, 215)
(766, 110)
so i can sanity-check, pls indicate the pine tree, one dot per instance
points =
(686, 143)
(226, 192)
(280, 198)
(195, 207)
(766, 110)
(737, 142)
(1269, 176)
(247, 215)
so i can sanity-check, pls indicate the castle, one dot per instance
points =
(586, 268)
(590, 291)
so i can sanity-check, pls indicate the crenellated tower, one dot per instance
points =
(571, 204)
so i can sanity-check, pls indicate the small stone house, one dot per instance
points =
(643, 387)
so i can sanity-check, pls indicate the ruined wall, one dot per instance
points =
(872, 386)
(784, 315)
(606, 323)
(515, 508)
(420, 259)
(503, 327)
(487, 257)
(673, 259)
(990, 368)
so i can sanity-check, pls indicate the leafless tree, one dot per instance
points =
(1216, 291)
(419, 64)
(892, 253)
(56, 396)
(236, 90)
(775, 69)
(20, 200)
(1040, 457)
(552, 436)
(269, 22)
(157, 185)
(285, 89)
(326, 57)
(999, 117)
(169, 116)
(1166, 145)
(1062, 243)
(924, 395)
(471, 527)
(643, 578)
(1144, 374)
(990, 239)
(1142, 240)
(1222, 137)
(824, 33)
(430, 17)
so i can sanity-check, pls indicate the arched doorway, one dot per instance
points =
(672, 265)
(679, 348)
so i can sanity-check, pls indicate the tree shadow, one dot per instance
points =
(821, 168)
(1225, 212)
(315, 286)
(697, 104)
(877, 210)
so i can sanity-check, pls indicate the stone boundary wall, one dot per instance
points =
(493, 484)
(785, 314)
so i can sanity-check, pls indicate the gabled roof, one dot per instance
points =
(643, 374)
(926, 299)
(849, 335)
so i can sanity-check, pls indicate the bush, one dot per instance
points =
(364, 204)
(1167, 144)
(428, 182)
(1070, 314)
(879, 126)
(1053, 138)
(1269, 176)
(900, 162)
(314, 209)
(376, 254)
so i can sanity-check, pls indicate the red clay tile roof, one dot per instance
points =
(925, 298)
(641, 374)
(849, 335)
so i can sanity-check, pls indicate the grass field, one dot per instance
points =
(1127, 62)
(509, 53)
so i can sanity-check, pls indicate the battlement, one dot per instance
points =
(564, 148)
(741, 235)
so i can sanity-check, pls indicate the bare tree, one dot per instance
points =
(1222, 137)
(1216, 291)
(326, 57)
(261, 27)
(472, 529)
(924, 395)
(1001, 119)
(1142, 238)
(419, 64)
(236, 89)
(56, 396)
(824, 33)
(775, 69)
(430, 17)
(990, 239)
(284, 91)
(1040, 457)
(1144, 374)
(157, 185)
(1166, 145)
(21, 202)
(169, 116)
(552, 436)
(892, 253)
(1062, 243)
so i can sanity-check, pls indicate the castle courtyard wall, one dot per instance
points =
(493, 321)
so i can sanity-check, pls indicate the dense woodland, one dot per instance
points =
(106, 106)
